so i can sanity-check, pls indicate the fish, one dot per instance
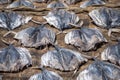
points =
(71, 1)
(46, 75)
(1, 77)
(13, 59)
(19, 3)
(92, 2)
(63, 59)
(100, 70)
(5, 2)
(62, 19)
(41, 1)
(85, 39)
(106, 17)
(57, 4)
(112, 54)
(36, 36)
(12, 20)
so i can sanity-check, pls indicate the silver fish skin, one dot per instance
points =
(70, 2)
(106, 17)
(5, 2)
(92, 2)
(12, 20)
(20, 3)
(85, 38)
(62, 59)
(112, 54)
(41, 1)
(36, 37)
(100, 70)
(14, 58)
(60, 19)
(57, 4)
(46, 75)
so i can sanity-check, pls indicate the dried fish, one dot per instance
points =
(46, 75)
(12, 20)
(63, 59)
(85, 38)
(112, 54)
(71, 1)
(57, 4)
(106, 17)
(100, 70)
(1, 77)
(42, 1)
(5, 1)
(35, 37)
(14, 58)
(113, 30)
(92, 2)
(62, 19)
(19, 3)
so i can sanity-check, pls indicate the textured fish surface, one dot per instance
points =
(41, 0)
(57, 4)
(46, 75)
(92, 2)
(36, 37)
(62, 59)
(71, 1)
(14, 58)
(61, 19)
(12, 20)
(85, 38)
(106, 17)
(5, 1)
(112, 54)
(99, 70)
(19, 3)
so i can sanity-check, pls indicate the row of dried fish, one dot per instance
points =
(103, 17)
(85, 38)
(62, 19)
(16, 58)
(53, 4)
(98, 70)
